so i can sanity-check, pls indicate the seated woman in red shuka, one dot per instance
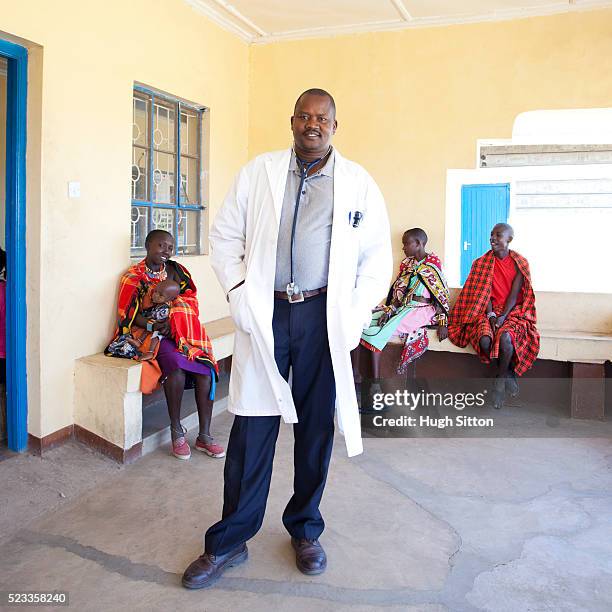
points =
(495, 313)
(181, 343)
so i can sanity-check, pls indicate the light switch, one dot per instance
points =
(74, 189)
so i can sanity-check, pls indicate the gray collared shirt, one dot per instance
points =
(313, 229)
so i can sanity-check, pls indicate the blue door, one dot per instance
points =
(16, 340)
(482, 206)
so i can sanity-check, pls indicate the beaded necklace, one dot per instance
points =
(161, 274)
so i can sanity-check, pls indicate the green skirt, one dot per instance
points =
(377, 337)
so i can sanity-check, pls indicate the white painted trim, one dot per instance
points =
(326, 31)
(236, 13)
(254, 34)
(400, 7)
(216, 17)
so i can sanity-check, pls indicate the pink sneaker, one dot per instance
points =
(180, 449)
(211, 449)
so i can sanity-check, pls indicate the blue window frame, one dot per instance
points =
(166, 143)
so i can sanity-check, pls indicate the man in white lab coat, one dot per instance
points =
(301, 246)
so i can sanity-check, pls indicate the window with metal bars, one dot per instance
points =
(167, 173)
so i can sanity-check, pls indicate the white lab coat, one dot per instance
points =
(243, 247)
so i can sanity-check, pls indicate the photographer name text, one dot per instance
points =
(427, 421)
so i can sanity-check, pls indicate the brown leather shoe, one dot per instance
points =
(310, 557)
(208, 568)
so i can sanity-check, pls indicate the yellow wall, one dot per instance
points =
(81, 78)
(412, 103)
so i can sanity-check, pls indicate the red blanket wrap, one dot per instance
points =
(188, 333)
(468, 318)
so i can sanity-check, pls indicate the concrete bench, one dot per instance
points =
(108, 401)
(556, 345)
(586, 352)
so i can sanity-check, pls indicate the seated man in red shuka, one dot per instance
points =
(495, 313)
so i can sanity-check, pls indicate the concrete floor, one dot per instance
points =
(413, 524)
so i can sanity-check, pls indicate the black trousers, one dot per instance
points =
(300, 343)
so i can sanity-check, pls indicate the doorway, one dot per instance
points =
(3, 82)
(14, 60)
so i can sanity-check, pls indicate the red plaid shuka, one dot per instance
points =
(188, 333)
(468, 318)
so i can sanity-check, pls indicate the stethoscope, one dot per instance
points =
(294, 293)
